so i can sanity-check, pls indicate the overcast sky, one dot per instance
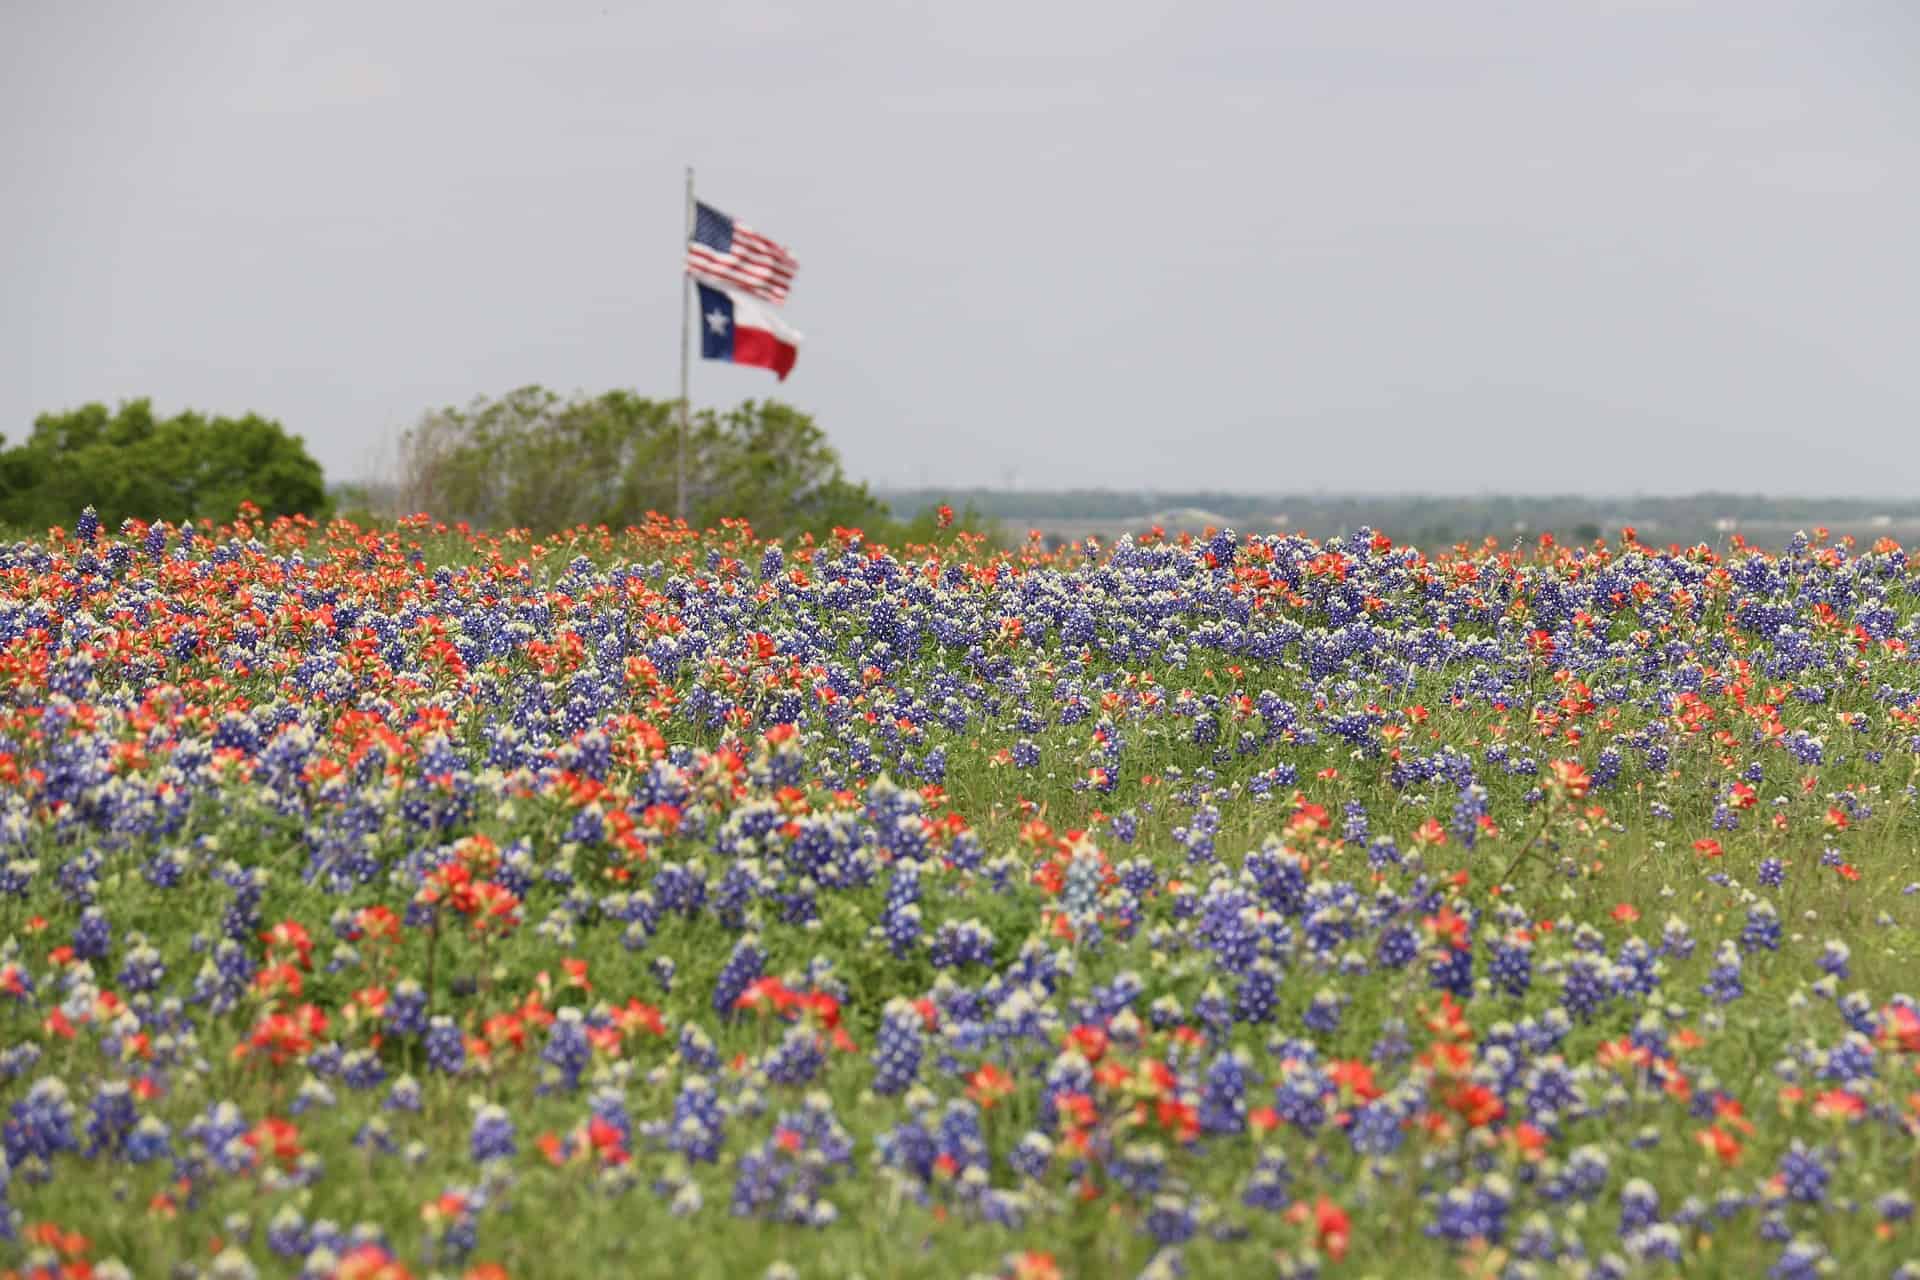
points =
(1411, 246)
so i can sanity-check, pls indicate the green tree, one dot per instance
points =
(535, 460)
(128, 462)
(772, 465)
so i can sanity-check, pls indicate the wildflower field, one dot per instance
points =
(411, 902)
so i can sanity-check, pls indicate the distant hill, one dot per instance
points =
(1427, 520)
(1423, 519)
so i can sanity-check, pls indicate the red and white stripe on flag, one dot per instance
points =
(722, 249)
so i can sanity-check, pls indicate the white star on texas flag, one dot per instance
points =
(717, 320)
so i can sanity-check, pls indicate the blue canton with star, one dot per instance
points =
(716, 324)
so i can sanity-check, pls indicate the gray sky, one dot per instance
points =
(1428, 246)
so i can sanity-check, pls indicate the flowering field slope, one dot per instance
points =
(404, 902)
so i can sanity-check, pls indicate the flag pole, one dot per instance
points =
(686, 361)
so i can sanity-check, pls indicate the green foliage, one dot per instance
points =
(129, 462)
(772, 465)
(534, 460)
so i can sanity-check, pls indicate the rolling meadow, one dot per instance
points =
(404, 900)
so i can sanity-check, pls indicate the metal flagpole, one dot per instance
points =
(686, 359)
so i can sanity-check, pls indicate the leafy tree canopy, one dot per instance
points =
(532, 459)
(130, 462)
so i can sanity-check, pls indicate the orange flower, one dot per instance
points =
(1078, 1109)
(1331, 1228)
(1446, 928)
(370, 1262)
(1900, 1026)
(276, 1138)
(285, 1036)
(377, 922)
(1570, 779)
(1450, 1023)
(293, 935)
(69, 1244)
(1719, 1143)
(765, 995)
(988, 1085)
(1730, 1112)
(1839, 1104)
(1182, 1119)
(1528, 1141)
(1034, 1265)
(1478, 1105)
(636, 1017)
(1623, 1053)
(1354, 1078)
(1309, 818)
(1090, 1040)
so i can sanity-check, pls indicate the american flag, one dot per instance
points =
(722, 249)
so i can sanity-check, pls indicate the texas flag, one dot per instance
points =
(745, 330)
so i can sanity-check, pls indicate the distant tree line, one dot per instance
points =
(537, 460)
(1431, 520)
(529, 459)
(131, 462)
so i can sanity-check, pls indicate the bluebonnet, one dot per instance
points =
(744, 965)
(446, 1051)
(897, 1047)
(492, 1136)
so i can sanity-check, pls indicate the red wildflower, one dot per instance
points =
(988, 1086)
(1720, 1144)
(1476, 1104)
(1446, 928)
(1839, 1104)
(767, 995)
(284, 1036)
(274, 1138)
(1570, 779)
(1332, 1228)
(370, 1262)
(291, 934)
(1900, 1026)
(1090, 1040)
(1034, 1265)
(1355, 1079)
